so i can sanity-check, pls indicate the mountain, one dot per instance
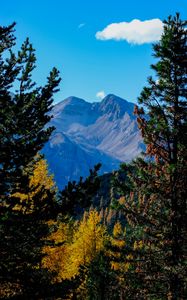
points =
(88, 133)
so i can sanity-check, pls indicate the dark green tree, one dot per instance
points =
(156, 186)
(79, 195)
(98, 280)
(24, 113)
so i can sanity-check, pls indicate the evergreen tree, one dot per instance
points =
(155, 192)
(79, 195)
(24, 113)
(101, 282)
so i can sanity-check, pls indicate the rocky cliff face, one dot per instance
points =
(88, 133)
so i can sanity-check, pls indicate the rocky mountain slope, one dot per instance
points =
(88, 133)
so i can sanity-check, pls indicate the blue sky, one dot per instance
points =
(64, 35)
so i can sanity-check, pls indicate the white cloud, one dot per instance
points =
(134, 32)
(81, 25)
(100, 95)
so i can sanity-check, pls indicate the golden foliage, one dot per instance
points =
(87, 240)
(40, 179)
(56, 256)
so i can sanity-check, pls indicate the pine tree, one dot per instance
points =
(155, 196)
(101, 282)
(79, 195)
(24, 113)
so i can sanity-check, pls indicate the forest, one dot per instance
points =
(75, 243)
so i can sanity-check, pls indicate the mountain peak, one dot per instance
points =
(74, 100)
(113, 98)
(70, 103)
(114, 104)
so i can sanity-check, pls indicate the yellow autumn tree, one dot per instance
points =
(56, 255)
(88, 241)
(39, 180)
(41, 176)
(75, 245)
